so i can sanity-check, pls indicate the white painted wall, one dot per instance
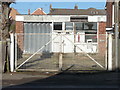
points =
(19, 18)
(56, 18)
(62, 44)
(87, 47)
(81, 36)
(42, 18)
(66, 46)
(56, 43)
(96, 18)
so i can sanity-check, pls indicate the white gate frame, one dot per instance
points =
(12, 52)
(109, 52)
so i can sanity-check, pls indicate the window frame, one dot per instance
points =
(93, 31)
(56, 26)
(70, 26)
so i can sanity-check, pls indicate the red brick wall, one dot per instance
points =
(19, 27)
(109, 14)
(102, 38)
(102, 28)
(20, 31)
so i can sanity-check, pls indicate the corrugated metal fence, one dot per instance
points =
(33, 39)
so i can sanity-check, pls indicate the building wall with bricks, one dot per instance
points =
(19, 36)
(102, 38)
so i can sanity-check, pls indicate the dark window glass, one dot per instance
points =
(79, 26)
(57, 25)
(90, 26)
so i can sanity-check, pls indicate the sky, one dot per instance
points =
(23, 7)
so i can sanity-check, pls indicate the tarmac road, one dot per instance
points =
(58, 81)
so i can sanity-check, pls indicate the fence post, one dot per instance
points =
(60, 54)
(2, 55)
(60, 61)
(110, 52)
(106, 53)
(12, 52)
(15, 50)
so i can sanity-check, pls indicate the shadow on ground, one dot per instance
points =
(72, 81)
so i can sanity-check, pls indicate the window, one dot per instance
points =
(91, 36)
(88, 30)
(90, 26)
(68, 26)
(57, 26)
(79, 26)
(86, 26)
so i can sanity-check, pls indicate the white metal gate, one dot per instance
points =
(61, 60)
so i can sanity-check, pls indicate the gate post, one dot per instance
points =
(110, 52)
(60, 54)
(60, 61)
(15, 50)
(12, 52)
(106, 52)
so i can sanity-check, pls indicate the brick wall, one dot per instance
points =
(20, 31)
(19, 27)
(109, 14)
(102, 38)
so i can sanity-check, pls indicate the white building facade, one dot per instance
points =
(68, 33)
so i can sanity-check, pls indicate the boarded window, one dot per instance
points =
(57, 25)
